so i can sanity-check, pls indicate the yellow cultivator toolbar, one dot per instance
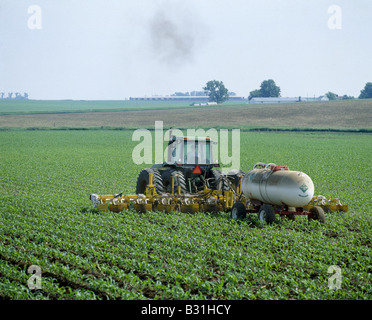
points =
(209, 200)
(328, 204)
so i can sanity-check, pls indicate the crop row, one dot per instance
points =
(156, 261)
(46, 220)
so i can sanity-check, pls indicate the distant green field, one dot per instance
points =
(46, 220)
(57, 106)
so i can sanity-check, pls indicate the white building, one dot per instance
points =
(182, 98)
(287, 99)
(275, 100)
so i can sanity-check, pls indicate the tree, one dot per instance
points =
(216, 91)
(254, 94)
(346, 97)
(366, 93)
(267, 89)
(331, 96)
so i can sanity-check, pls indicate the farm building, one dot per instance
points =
(274, 100)
(183, 98)
(286, 99)
(204, 104)
(171, 98)
(323, 98)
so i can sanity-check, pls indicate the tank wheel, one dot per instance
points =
(317, 214)
(167, 181)
(238, 211)
(266, 213)
(144, 178)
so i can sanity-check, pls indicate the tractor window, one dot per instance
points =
(176, 151)
(201, 152)
(204, 152)
(174, 154)
(190, 152)
(197, 152)
(208, 153)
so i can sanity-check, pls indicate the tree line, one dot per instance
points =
(16, 96)
(217, 91)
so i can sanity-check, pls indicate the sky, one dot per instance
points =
(116, 49)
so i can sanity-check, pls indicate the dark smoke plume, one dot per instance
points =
(173, 40)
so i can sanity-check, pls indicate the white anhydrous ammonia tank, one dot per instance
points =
(277, 185)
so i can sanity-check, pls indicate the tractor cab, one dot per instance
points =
(191, 160)
(190, 151)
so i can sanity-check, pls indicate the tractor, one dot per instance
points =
(190, 161)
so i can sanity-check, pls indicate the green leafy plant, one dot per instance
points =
(47, 176)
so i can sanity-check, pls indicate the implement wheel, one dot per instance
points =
(238, 211)
(317, 214)
(267, 213)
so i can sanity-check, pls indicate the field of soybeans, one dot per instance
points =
(47, 221)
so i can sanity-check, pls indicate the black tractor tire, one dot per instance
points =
(167, 180)
(234, 178)
(238, 211)
(216, 180)
(317, 214)
(144, 178)
(266, 213)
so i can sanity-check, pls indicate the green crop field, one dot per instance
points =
(82, 106)
(46, 220)
(71, 106)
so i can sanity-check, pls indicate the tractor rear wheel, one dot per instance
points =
(234, 177)
(216, 180)
(144, 179)
(167, 181)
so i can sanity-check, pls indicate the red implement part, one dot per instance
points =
(277, 168)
